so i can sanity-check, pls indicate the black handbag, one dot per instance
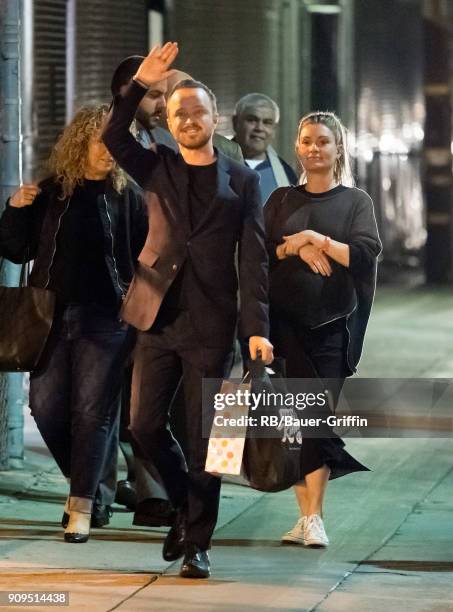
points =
(26, 315)
(270, 462)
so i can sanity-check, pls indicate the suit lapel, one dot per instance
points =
(224, 191)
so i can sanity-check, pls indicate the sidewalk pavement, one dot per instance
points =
(390, 529)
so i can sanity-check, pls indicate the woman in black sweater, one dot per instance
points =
(84, 228)
(323, 245)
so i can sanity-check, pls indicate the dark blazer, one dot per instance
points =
(234, 219)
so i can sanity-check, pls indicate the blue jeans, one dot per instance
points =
(74, 392)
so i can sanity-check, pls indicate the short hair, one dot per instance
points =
(124, 72)
(192, 84)
(256, 99)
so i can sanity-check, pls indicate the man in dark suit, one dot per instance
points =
(143, 485)
(142, 489)
(183, 297)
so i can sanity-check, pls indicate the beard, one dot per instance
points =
(153, 121)
(146, 120)
(194, 141)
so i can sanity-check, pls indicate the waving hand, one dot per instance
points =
(155, 66)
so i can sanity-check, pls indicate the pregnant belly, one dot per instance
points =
(312, 299)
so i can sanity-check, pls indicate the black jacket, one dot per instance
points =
(30, 232)
(234, 218)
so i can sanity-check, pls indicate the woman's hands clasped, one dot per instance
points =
(24, 196)
(316, 259)
(311, 247)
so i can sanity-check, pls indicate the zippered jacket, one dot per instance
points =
(30, 232)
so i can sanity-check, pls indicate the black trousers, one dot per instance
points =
(164, 356)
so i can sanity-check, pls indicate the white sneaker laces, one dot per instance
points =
(314, 530)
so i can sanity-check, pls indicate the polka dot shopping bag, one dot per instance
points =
(229, 429)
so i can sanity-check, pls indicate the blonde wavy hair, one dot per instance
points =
(342, 171)
(67, 162)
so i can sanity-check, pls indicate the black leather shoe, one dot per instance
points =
(174, 542)
(76, 538)
(126, 494)
(195, 564)
(100, 515)
(154, 513)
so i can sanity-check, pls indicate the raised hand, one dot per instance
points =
(155, 66)
(24, 196)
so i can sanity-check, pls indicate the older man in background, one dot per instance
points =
(255, 121)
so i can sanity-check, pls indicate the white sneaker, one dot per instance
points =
(314, 532)
(296, 534)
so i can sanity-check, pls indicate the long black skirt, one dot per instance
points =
(317, 353)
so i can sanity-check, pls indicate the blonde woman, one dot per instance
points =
(83, 227)
(323, 245)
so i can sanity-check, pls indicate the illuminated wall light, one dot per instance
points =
(416, 242)
(366, 143)
(413, 132)
(325, 9)
(407, 131)
(388, 143)
(386, 183)
(418, 132)
(367, 155)
(390, 213)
